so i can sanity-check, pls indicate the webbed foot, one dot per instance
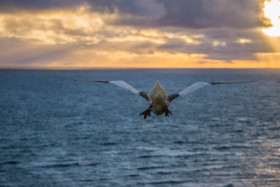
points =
(167, 112)
(146, 112)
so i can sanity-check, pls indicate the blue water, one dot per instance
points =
(56, 132)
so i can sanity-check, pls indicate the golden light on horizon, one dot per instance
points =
(272, 12)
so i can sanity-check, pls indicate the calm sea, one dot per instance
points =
(56, 132)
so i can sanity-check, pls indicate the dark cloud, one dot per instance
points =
(178, 13)
(212, 13)
(241, 14)
(9, 5)
(143, 8)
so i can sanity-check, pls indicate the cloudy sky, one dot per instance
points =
(140, 34)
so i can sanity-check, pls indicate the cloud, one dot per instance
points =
(52, 27)
(178, 13)
(132, 33)
(212, 13)
(36, 5)
(145, 8)
(21, 54)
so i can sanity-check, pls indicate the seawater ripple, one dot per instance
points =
(55, 132)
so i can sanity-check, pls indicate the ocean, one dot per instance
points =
(57, 132)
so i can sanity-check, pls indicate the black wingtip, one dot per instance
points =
(102, 81)
(87, 80)
(215, 83)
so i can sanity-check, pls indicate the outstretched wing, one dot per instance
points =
(121, 84)
(197, 86)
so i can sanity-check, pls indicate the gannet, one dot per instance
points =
(157, 98)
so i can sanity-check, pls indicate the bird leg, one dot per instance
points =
(147, 112)
(167, 112)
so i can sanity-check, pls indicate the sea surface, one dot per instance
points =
(57, 132)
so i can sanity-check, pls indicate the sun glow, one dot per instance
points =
(272, 12)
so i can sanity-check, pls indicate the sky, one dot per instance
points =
(69, 34)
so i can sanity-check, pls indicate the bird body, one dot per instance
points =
(157, 98)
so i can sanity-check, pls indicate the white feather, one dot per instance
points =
(124, 85)
(194, 87)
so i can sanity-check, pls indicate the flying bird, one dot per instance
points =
(157, 98)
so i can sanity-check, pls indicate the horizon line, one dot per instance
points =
(118, 68)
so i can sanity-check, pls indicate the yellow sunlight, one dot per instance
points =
(272, 12)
